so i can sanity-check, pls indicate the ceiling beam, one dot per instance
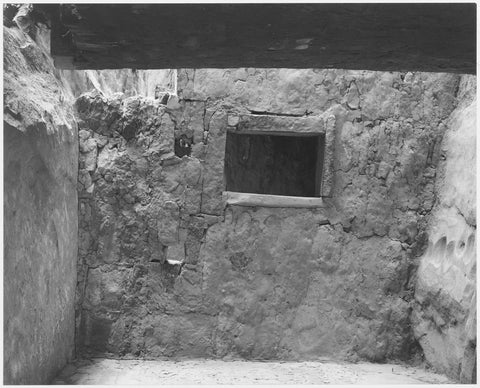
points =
(401, 37)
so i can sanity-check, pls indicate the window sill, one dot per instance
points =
(268, 200)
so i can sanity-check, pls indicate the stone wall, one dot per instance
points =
(40, 214)
(445, 313)
(167, 268)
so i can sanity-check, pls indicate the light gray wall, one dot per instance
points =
(40, 215)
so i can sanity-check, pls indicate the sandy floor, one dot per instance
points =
(109, 372)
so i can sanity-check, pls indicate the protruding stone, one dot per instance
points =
(173, 103)
(233, 120)
(353, 96)
(88, 154)
(176, 253)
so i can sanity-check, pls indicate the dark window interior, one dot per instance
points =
(274, 164)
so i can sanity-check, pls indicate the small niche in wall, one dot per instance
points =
(274, 163)
(183, 146)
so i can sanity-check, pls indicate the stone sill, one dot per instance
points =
(268, 200)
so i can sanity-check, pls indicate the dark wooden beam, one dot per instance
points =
(401, 37)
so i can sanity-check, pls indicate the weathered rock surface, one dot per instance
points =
(444, 316)
(146, 83)
(40, 214)
(165, 269)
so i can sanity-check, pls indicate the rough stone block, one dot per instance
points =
(168, 223)
(213, 180)
(176, 253)
(267, 123)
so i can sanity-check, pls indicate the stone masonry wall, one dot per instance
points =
(40, 214)
(166, 268)
(444, 317)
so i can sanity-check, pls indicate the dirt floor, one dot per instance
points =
(160, 372)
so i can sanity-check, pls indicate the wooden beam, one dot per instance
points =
(387, 37)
